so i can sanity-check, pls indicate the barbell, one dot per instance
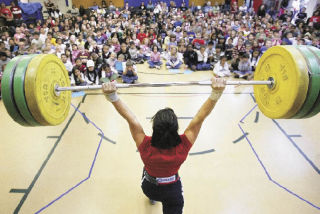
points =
(36, 89)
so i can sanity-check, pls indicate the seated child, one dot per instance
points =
(155, 61)
(244, 68)
(198, 41)
(112, 60)
(77, 78)
(221, 69)
(80, 66)
(190, 58)
(202, 63)
(130, 73)
(229, 49)
(146, 49)
(217, 54)
(107, 74)
(268, 44)
(140, 56)
(120, 64)
(210, 51)
(174, 60)
(169, 42)
(158, 43)
(91, 74)
(133, 51)
(254, 59)
(115, 46)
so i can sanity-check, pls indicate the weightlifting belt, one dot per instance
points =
(160, 181)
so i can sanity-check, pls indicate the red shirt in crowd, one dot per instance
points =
(141, 36)
(163, 162)
(5, 11)
(198, 41)
(315, 19)
(17, 13)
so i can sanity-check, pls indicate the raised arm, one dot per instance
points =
(136, 129)
(193, 129)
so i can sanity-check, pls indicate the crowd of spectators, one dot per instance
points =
(105, 43)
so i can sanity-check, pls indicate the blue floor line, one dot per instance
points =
(91, 167)
(252, 148)
(245, 116)
(270, 178)
(297, 147)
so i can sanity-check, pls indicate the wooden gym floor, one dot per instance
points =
(242, 162)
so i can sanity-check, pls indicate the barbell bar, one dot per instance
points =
(286, 85)
(165, 84)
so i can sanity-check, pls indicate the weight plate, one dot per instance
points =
(7, 91)
(18, 85)
(316, 107)
(314, 81)
(44, 73)
(287, 67)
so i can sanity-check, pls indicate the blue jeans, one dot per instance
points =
(175, 67)
(145, 57)
(203, 66)
(154, 64)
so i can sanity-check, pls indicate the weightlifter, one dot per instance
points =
(164, 152)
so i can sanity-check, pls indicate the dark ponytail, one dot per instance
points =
(165, 129)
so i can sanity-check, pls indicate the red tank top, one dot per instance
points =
(163, 162)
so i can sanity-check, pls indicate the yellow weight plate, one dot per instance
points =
(287, 66)
(44, 72)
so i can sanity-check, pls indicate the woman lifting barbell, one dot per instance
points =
(164, 152)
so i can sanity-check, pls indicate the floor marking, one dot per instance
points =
(297, 147)
(91, 168)
(85, 118)
(257, 117)
(24, 197)
(18, 190)
(53, 137)
(295, 135)
(107, 139)
(265, 169)
(84, 98)
(240, 138)
(245, 116)
(254, 99)
(203, 152)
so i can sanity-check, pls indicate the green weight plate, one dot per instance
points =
(315, 50)
(18, 89)
(316, 107)
(7, 91)
(314, 82)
